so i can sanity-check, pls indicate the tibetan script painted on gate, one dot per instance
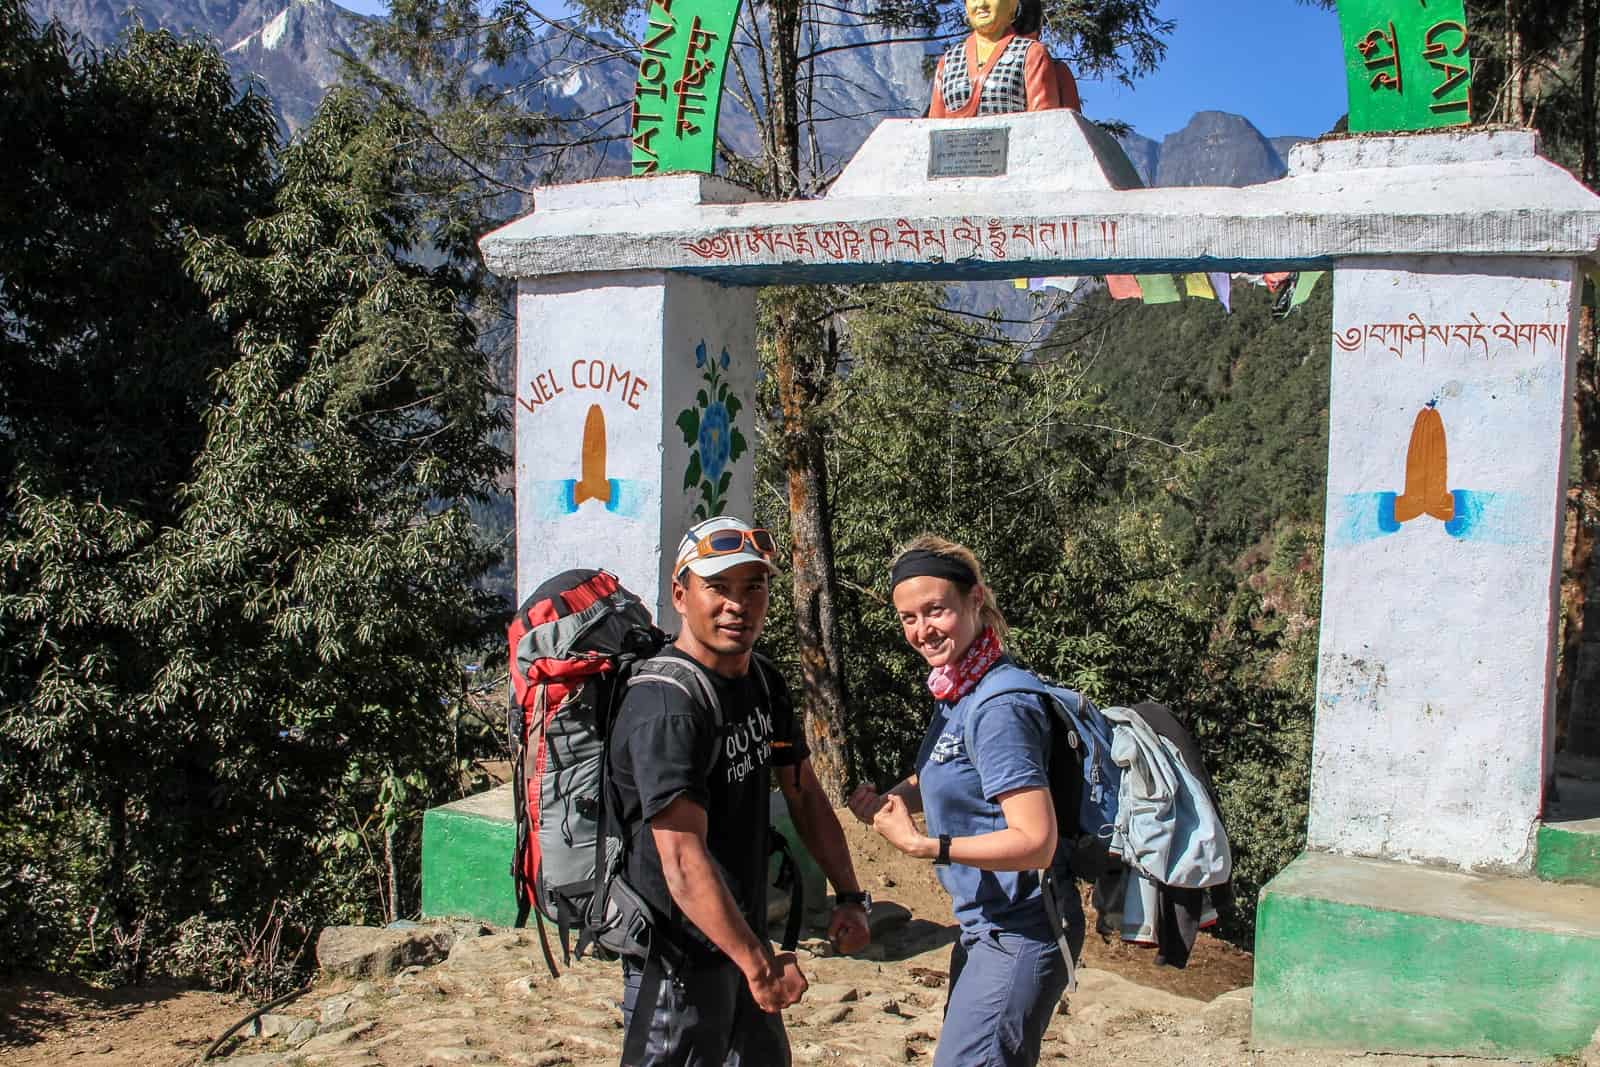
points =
(1407, 64)
(675, 103)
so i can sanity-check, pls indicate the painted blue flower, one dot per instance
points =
(700, 354)
(725, 359)
(716, 440)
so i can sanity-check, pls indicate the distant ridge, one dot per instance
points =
(293, 49)
(1215, 148)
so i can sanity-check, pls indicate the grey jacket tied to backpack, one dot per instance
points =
(1167, 828)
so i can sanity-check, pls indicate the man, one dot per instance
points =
(694, 807)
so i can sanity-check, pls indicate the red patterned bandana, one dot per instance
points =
(954, 681)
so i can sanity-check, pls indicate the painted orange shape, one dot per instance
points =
(592, 483)
(1427, 463)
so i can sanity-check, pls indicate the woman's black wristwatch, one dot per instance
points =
(943, 858)
(861, 898)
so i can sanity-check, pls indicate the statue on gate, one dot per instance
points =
(1001, 66)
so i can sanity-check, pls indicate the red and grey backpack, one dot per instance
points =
(573, 643)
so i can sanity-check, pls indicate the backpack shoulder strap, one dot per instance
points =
(1008, 679)
(1013, 680)
(693, 681)
(684, 675)
(1018, 679)
(762, 667)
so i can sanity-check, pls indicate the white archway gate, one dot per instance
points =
(1413, 922)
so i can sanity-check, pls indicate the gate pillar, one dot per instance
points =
(1412, 923)
(635, 405)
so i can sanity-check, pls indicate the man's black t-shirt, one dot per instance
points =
(664, 746)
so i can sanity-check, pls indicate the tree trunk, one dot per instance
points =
(1578, 682)
(391, 870)
(786, 42)
(810, 527)
(803, 381)
(121, 894)
(1574, 587)
(1514, 113)
(1589, 169)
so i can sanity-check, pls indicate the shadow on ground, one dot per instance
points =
(32, 1006)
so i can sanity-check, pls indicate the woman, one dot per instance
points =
(982, 778)
(1000, 67)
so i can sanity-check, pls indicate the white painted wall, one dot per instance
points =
(1435, 676)
(624, 342)
(721, 318)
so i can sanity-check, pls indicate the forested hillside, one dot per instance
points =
(1238, 404)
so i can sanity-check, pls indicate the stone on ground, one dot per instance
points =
(362, 951)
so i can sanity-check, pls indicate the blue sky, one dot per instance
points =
(1276, 62)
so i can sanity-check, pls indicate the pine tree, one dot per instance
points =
(109, 354)
(243, 416)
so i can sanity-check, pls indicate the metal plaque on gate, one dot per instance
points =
(979, 153)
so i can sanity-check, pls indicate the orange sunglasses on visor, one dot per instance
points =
(727, 542)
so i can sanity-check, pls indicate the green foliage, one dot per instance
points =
(1236, 405)
(48, 900)
(227, 954)
(247, 420)
(110, 353)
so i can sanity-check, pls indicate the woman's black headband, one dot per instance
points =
(920, 563)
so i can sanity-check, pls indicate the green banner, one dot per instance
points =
(675, 103)
(1407, 62)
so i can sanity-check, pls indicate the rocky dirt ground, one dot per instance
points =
(490, 1000)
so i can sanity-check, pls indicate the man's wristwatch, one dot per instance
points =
(862, 898)
(943, 858)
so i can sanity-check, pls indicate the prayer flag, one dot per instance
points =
(1022, 283)
(1158, 288)
(1198, 285)
(1302, 288)
(1222, 285)
(1056, 281)
(1277, 279)
(1122, 286)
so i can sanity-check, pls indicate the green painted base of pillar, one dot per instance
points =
(466, 859)
(1568, 845)
(819, 897)
(1368, 955)
(1568, 855)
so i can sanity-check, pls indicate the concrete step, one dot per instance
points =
(1568, 844)
(466, 859)
(1372, 955)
